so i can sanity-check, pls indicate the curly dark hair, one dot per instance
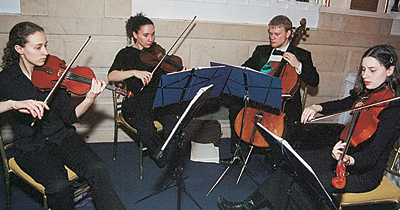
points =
(386, 55)
(134, 23)
(18, 36)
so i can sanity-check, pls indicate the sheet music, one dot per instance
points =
(196, 68)
(207, 153)
(192, 102)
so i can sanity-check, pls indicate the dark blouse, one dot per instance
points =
(371, 155)
(128, 58)
(56, 124)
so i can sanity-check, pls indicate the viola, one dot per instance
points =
(77, 81)
(362, 126)
(154, 54)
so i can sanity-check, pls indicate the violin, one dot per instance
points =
(152, 56)
(77, 81)
(272, 119)
(362, 126)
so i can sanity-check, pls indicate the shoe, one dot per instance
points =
(255, 201)
(227, 205)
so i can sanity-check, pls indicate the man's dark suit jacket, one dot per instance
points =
(308, 74)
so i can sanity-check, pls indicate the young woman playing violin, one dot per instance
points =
(42, 150)
(378, 76)
(129, 66)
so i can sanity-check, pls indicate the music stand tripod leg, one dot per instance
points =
(245, 163)
(237, 155)
(176, 179)
(178, 135)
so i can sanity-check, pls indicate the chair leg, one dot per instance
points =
(115, 141)
(45, 205)
(8, 192)
(141, 160)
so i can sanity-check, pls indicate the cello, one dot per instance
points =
(272, 119)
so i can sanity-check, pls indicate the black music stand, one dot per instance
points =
(300, 165)
(178, 134)
(181, 86)
(262, 88)
(251, 85)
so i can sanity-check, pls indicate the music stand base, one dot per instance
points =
(176, 179)
(236, 157)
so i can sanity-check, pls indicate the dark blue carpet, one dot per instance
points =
(199, 178)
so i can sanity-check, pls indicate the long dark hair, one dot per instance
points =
(18, 36)
(134, 23)
(386, 55)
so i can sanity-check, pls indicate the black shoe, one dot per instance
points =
(227, 205)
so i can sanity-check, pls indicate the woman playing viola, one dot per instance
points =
(128, 67)
(42, 150)
(378, 71)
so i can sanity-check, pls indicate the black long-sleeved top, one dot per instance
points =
(371, 155)
(56, 124)
(128, 58)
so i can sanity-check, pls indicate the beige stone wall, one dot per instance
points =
(336, 45)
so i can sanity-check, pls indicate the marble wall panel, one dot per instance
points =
(113, 26)
(76, 8)
(219, 51)
(354, 59)
(220, 31)
(330, 84)
(3, 43)
(386, 26)
(99, 52)
(8, 21)
(328, 58)
(120, 8)
(328, 21)
(34, 7)
(91, 26)
(356, 24)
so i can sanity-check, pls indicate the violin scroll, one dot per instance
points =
(340, 180)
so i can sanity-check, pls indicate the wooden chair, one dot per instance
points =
(11, 167)
(119, 122)
(386, 192)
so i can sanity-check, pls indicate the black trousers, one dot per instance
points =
(287, 189)
(143, 121)
(46, 166)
